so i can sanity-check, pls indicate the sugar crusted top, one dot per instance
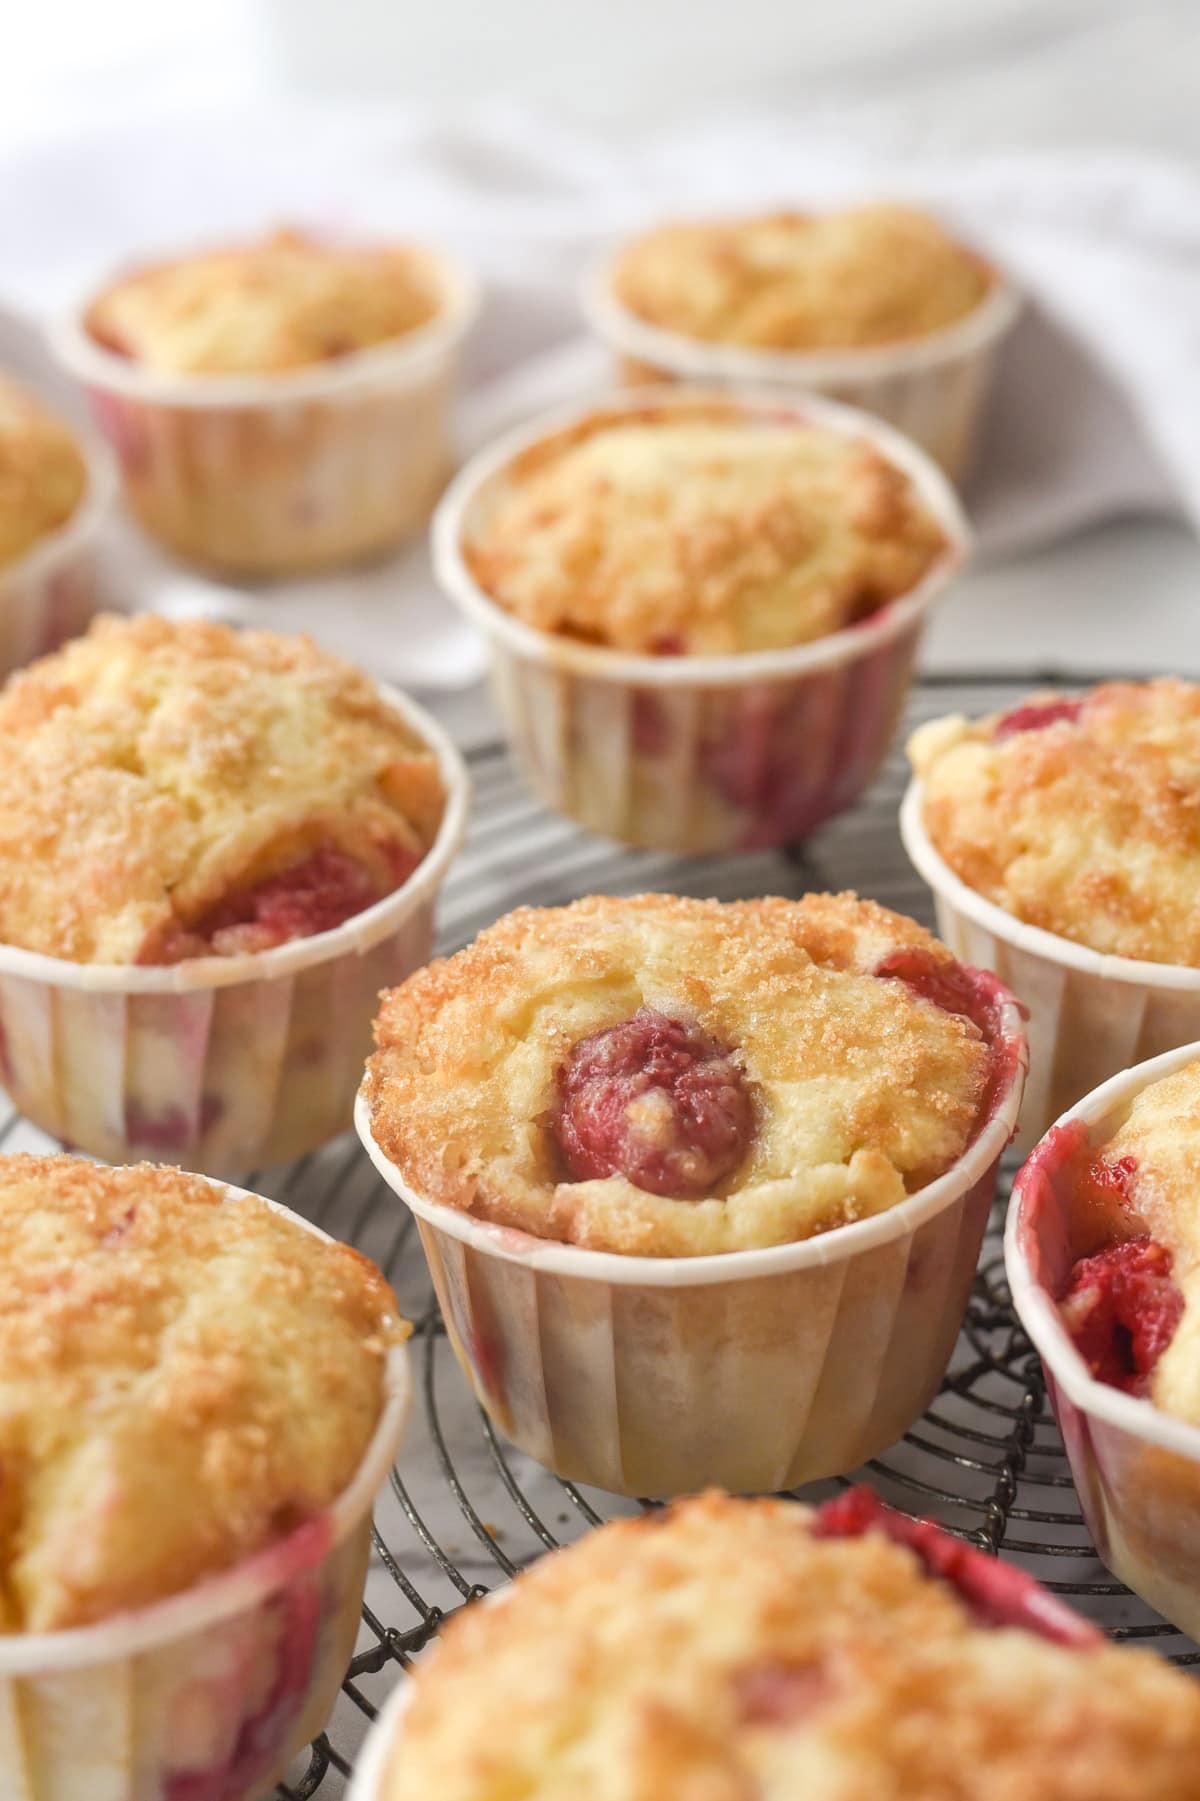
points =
(1078, 814)
(150, 771)
(285, 302)
(701, 529)
(719, 1648)
(42, 472)
(861, 1089)
(854, 279)
(183, 1381)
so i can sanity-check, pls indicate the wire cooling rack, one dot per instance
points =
(465, 1511)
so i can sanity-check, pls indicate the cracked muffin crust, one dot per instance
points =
(701, 529)
(724, 1649)
(671, 1077)
(855, 279)
(43, 473)
(169, 791)
(288, 301)
(184, 1380)
(1077, 813)
(1132, 1299)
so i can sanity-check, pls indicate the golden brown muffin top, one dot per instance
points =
(42, 472)
(796, 1084)
(701, 529)
(721, 1649)
(152, 775)
(1078, 814)
(183, 1381)
(288, 301)
(856, 279)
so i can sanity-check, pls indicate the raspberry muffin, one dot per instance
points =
(1103, 1254)
(54, 494)
(702, 611)
(177, 795)
(169, 791)
(199, 1396)
(277, 404)
(618, 1089)
(877, 304)
(729, 1648)
(1063, 846)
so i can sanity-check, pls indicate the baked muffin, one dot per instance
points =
(43, 474)
(726, 1648)
(169, 791)
(856, 279)
(184, 1380)
(671, 1077)
(285, 302)
(701, 529)
(1131, 1301)
(1077, 813)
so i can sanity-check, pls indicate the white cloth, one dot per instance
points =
(1097, 410)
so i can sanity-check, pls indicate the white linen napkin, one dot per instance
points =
(1097, 410)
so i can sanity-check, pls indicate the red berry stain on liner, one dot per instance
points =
(974, 994)
(1036, 715)
(996, 1594)
(1118, 1303)
(655, 1100)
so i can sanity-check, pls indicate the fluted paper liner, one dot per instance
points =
(222, 1064)
(1137, 1470)
(49, 594)
(700, 754)
(932, 388)
(208, 1695)
(285, 472)
(755, 1370)
(1089, 1015)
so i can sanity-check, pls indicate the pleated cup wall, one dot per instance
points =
(206, 1696)
(1137, 1470)
(701, 768)
(754, 1370)
(1090, 1016)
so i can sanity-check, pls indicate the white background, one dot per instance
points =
(944, 74)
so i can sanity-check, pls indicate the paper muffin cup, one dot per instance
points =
(697, 754)
(1137, 1469)
(287, 472)
(208, 1695)
(932, 388)
(223, 1064)
(49, 594)
(752, 1370)
(1089, 1014)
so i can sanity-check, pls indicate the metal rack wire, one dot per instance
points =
(466, 1511)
